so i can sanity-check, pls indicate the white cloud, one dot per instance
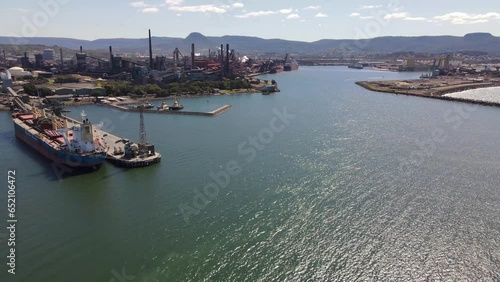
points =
(256, 14)
(415, 19)
(371, 6)
(285, 11)
(179, 15)
(366, 17)
(354, 15)
(138, 4)
(267, 13)
(150, 10)
(292, 17)
(174, 2)
(238, 5)
(321, 15)
(465, 18)
(198, 9)
(312, 8)
(395, 16)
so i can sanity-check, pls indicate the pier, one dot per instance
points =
(113, 142)
(121, 152)
(213, 113)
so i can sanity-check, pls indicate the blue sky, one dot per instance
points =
(303, 20)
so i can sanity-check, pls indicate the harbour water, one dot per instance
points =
(324, 181)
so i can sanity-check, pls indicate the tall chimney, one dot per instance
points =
(221, 54)
(209, 55)
(222, 59)
(192, 55)
(151, 62)
(4, 59)
(110, 57)
(62, 59)
(81, 49)
(227, 58)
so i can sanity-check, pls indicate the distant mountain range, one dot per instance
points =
(484, 42)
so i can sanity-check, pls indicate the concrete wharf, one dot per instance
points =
(215, 112)
(112, 142)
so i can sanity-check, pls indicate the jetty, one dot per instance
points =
(213, 113)
(121, 151)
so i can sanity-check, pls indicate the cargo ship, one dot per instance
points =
(292, 66)
(75, 146)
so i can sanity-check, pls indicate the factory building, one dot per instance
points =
(6, 80)
(38, 61)
(48, 55)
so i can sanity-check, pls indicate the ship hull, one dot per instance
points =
(58, 156)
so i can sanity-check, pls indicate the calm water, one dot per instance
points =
(357, 186)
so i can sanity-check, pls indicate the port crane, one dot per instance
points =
(142, 149)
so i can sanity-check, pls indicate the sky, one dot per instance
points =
(301, 20)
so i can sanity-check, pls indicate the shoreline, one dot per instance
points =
(433, 91)
(131, 101)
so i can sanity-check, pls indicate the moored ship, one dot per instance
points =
(176, 106)
(74, 146)
(268, 89)
(292, 66)
(163, 107)
(356, 66)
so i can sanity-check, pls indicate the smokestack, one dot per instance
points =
(111, 57)
(81, 49)
(62, 59)
(221, 54)
(4, 59)
(209, 55)
(227, 58)
(151, 62)
(222, 58)
(192, 55)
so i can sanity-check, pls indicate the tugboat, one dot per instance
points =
(163, 107)
(148, 105)
(268, 89)
(356, 66)
(176, 106)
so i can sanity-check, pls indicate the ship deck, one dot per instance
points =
(37, 133)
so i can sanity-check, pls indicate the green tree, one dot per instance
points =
(44, 92)
(30, 89)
